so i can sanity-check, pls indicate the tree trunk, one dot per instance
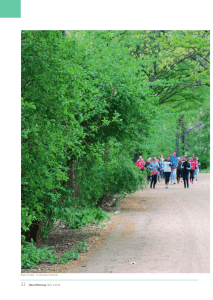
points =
(180, 135)
(71, 173)
(34, 233)
(136, 156)
(72, 180)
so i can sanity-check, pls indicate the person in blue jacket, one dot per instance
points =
(160, 169)
(174, 159)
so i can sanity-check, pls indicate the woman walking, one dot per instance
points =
(154, 171)
(161, 169)
(197, 169)
(148, 170)
(167, 164)
(140, 163)
(193, 163)
(182, 160)
(174, 159)
(179, 168)
(186, 167)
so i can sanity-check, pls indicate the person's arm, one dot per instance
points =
(171, 163)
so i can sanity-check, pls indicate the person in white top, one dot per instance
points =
(167, 164)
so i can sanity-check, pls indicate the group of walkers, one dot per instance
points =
(173, 168)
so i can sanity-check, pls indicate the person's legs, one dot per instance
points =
(165, 177)
(167, 174)
(161, 175)
(148, 178)
(195, 173)
(192, 175)
(173, 175)
(187, 180)
(178, 175)
(155, 180)
(172, 179)
(152, 180)
(184, 181)
(175, 172)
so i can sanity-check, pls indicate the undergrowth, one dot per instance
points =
(31, 256)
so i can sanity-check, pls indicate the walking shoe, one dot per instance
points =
(167, 186)
(171, 182)
(196, 179)
(187, 187)
(181, 181)
(190, 180)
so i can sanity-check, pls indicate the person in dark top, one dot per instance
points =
(179, 168)
(181, 176)
(186, 166)
(148, 170)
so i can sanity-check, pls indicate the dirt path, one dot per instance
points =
(157, 231)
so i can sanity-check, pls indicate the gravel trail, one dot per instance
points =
(157, 231)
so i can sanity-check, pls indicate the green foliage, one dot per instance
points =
(73, 103)
(31, 256)
(77, 218)
(89, 100)
(81, 247)
(199, 139)
(114, 174)
(174, 62)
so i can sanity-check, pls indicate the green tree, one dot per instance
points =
(89, 99)
(73, 103)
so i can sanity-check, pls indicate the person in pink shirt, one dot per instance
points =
(193, 163)
(140, 163)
